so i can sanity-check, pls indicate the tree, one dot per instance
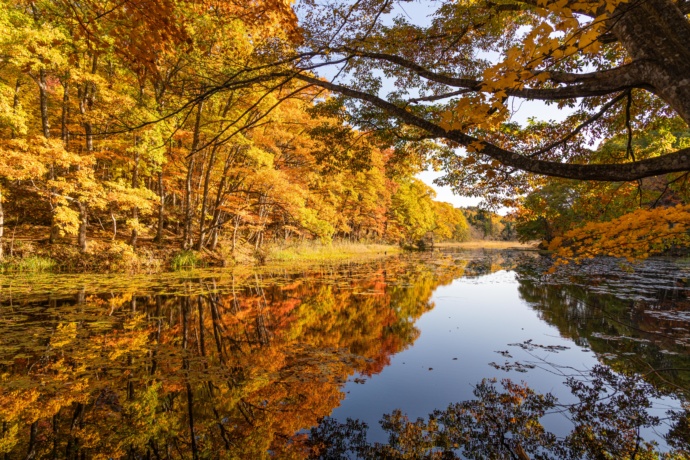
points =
(619, 66)
(607, 53)
(623, 219)
(451, 224)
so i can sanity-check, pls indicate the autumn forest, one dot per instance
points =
(219, 239)
(112, 131)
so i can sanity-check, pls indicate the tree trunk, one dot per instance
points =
(83, 221)
(112, 217)
(86, 103)
(135, 212)
(188, 211)
(15, 102)
(234, 234)
(2, 226)
(64, 131)
(54, 229)
(43, 95)
(202, 217)
(161, 209)
(656, 34)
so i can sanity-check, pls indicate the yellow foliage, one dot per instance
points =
(635, 235)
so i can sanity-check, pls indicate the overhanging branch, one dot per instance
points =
(580, 85)
(678, 161)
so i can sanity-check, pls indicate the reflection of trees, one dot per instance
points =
(505, 423)
(632, 336)
(229, 369)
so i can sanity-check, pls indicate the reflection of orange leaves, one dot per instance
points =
(268, 360)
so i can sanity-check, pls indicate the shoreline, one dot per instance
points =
(117, 257)
(488, 244)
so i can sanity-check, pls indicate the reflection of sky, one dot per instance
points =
(471, 321)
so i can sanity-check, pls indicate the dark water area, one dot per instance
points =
(242, 364)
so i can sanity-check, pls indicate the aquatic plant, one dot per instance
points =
(33, 264)
(186, 260)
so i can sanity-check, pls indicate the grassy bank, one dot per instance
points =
(320, 252)
(487, 244)
(104, 256)
(35, 256)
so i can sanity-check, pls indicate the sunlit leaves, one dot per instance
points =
(635, 235)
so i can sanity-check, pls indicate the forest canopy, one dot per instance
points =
(219, 125)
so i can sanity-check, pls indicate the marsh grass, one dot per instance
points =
(314, 251)
(186, 260)
(33, 264)
(487, 244)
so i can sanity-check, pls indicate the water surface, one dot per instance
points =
(240, 363)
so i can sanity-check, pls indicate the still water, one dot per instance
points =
(241, 364)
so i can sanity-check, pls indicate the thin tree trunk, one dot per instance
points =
(33, 431)
(135, 212)
(112, 217)
(234, 234)
(43, 95)
(202, 217)
(64, 131)
(83, 221)
(15, 102)
(45, 127)
(214, 240)
(86, 103)
(161, 209)
(2, 225)
(188, 211)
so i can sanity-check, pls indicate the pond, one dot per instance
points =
(242, 364)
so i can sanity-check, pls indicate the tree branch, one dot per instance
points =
(584, 85)
(678, 161)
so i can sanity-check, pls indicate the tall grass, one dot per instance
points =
(32, 264)
(185, 260)
(316, 251)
